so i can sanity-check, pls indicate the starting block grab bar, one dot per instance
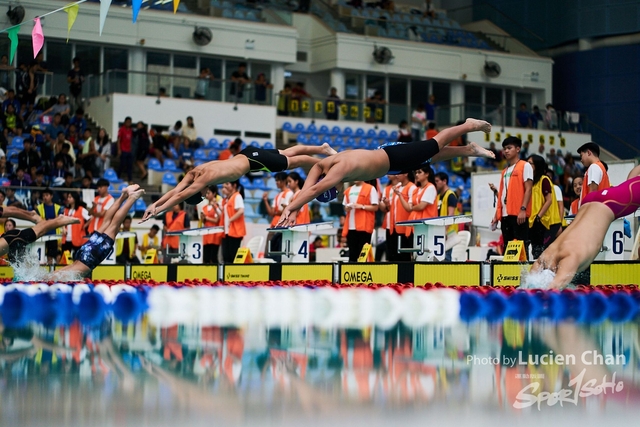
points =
(430, 236)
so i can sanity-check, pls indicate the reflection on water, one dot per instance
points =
(138, 374)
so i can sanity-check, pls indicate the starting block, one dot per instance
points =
(111, 259)
(613, 244)
(429, 236)
(295, 241)
(38, 249)
(191, 246)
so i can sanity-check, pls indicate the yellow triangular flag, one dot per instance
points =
(72, 14)
(176, 3)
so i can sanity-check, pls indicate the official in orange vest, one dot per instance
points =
(275, 209)
(514, 197)
(361, 204)
(101, 203)
(577, 189)
(423, 204)
(596, 176)
(73, 238)
(404, 189)
(211, 217)
(385, 206)
(176, 220)
(234, 226)
(295, 183)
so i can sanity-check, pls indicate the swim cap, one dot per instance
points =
(194, 200)
(328, 195)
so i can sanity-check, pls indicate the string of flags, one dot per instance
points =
(72, 10)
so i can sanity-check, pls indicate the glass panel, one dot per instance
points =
(59, 63)
(159, 63)
(353, 90)
(473, 101)
(397, 100)
(6, 76)
(509, 119)
(214, 91)
(261, 94)
(419, 92)
(234, 92)
(375, 87)
(89, 56)
(493, 101)
(184, 66)
(442, 96)
(521, 97)
(118, 59)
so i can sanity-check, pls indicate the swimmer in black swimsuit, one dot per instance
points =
(364, 165)
(216, 172)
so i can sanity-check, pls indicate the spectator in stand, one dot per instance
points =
(361, 204)
(160, 147)
(73, 137)
(141, 138)
(59, 148)
(30, 86)
(103, 145)
(101, 204)
(87, 184)
(418, 122)
(28, 157)
(22, 193)
(88, 154)
(151, 240)
(523, 118)
(234, 225)
(125, 136)
(175, 220)
(404, 132)
(189, 131)
(596, 177)
(316, 244)
(262, 85)
(430, 108)
(56, 126)
(431, 130)
(284, 100)
(5, 70)
(37, 186)
(524, 153)
(175, 135)
(73, 237)
(11, 200)
(375, 104)
(202, 86)
(185, 154)
(536, 117)
(297, 94)
(162, 93)
(126, 247)
(79, 121)
(10, 100)
(50, 210)
(429, 9)
(211, 216)
(239, 78)
(314, 212)
(59, 171)
(551, 117)
(61, 107)
(12, 123)
(75, 78)
(332, 106)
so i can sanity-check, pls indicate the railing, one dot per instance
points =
(176, 86)
(48, 83)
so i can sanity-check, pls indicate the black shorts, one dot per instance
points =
(18, 241)
(410, 156)
(95, 250)
(265, 160)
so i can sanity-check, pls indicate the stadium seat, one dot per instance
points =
(384, 180)
(213, 155)
(154, 164)
(324, 129)
(200, 154)
(314, 140)
(111, 176)
(199, 163)
(362, 143)
(246, 183)
(255, 144)
(301, 138)
(169, 179)
(5, 182)
(252, 16)
(227, 4)
(17, 142)
(336, 130)
(299, 127)
(12, 155)
(287, 127)
(271, 184)
(268, 146)
(249, 212)
(227, 13)
(326, 140)
(383, 134)
(351, 142)
(214, 143)
(312, 128)
(371, 133)
(170, 166)
(338, 140)
(393, 136)
(347, 131)
(359, 133)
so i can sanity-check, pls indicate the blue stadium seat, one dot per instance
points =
(255, 144)
(227, 4)
(347, 131)
(286, 126)
(268, 146)
(12, 155)
(338, 140)
(199, 163)
(5, 182)
(271, 184)
(213, 155)
(336, 130)
(246, 183)
(324, 129)
(384, 180)
(154, 164)
(359, 133)
(214, 143)
(383, 134)
(139, 206)
(301, 138)
(200, 154)
(374, 144)
(169, 179)
(351, 142)
(111, 176)
(362, 143)
(17, 142)
(314, 140)
(299, 127)
(393, 136)
(252, 16)
(312, 128)
(371, 133)
(170, 166)
(227, 13)
(326, 140)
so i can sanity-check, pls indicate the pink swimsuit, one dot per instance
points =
(623, 199)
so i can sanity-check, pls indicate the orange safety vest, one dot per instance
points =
(574, 207)
(400, 214)
(174, 224)
(212, 239)
(515, 193)
(77, 232)
(386, 222)
(303, 216)
(604, 184)
(236, 228)
(277, 211)
(431, 211)
(97, 222)
(365, 220)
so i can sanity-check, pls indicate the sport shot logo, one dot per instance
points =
(580, 386)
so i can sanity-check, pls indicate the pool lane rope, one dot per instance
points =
(307, 305)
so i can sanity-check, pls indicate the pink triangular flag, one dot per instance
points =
(37, 37)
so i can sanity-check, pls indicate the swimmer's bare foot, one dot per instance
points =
(479, 125)
(35, 218)
(478, 151)
(131, 189)
(328, 150)
(137, 194)
(67, 220)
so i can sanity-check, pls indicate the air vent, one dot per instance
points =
(264, 135)
(227, 132)
(301, 56)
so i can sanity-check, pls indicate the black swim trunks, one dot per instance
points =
(18, 241)
(261, 160)
(410, 156)
(95, 250)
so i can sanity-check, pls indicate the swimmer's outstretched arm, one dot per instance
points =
(182, 185)
(178, 197)
(13, 212)
(311, 189)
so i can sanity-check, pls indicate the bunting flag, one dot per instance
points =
(13, 36)
(37, 37)
(136, 5)
(104, 9)
(72, 14)
(176, 3)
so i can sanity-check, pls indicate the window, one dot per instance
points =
(493, 100)
(419, 92)
(397, 100)
(473, 101)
